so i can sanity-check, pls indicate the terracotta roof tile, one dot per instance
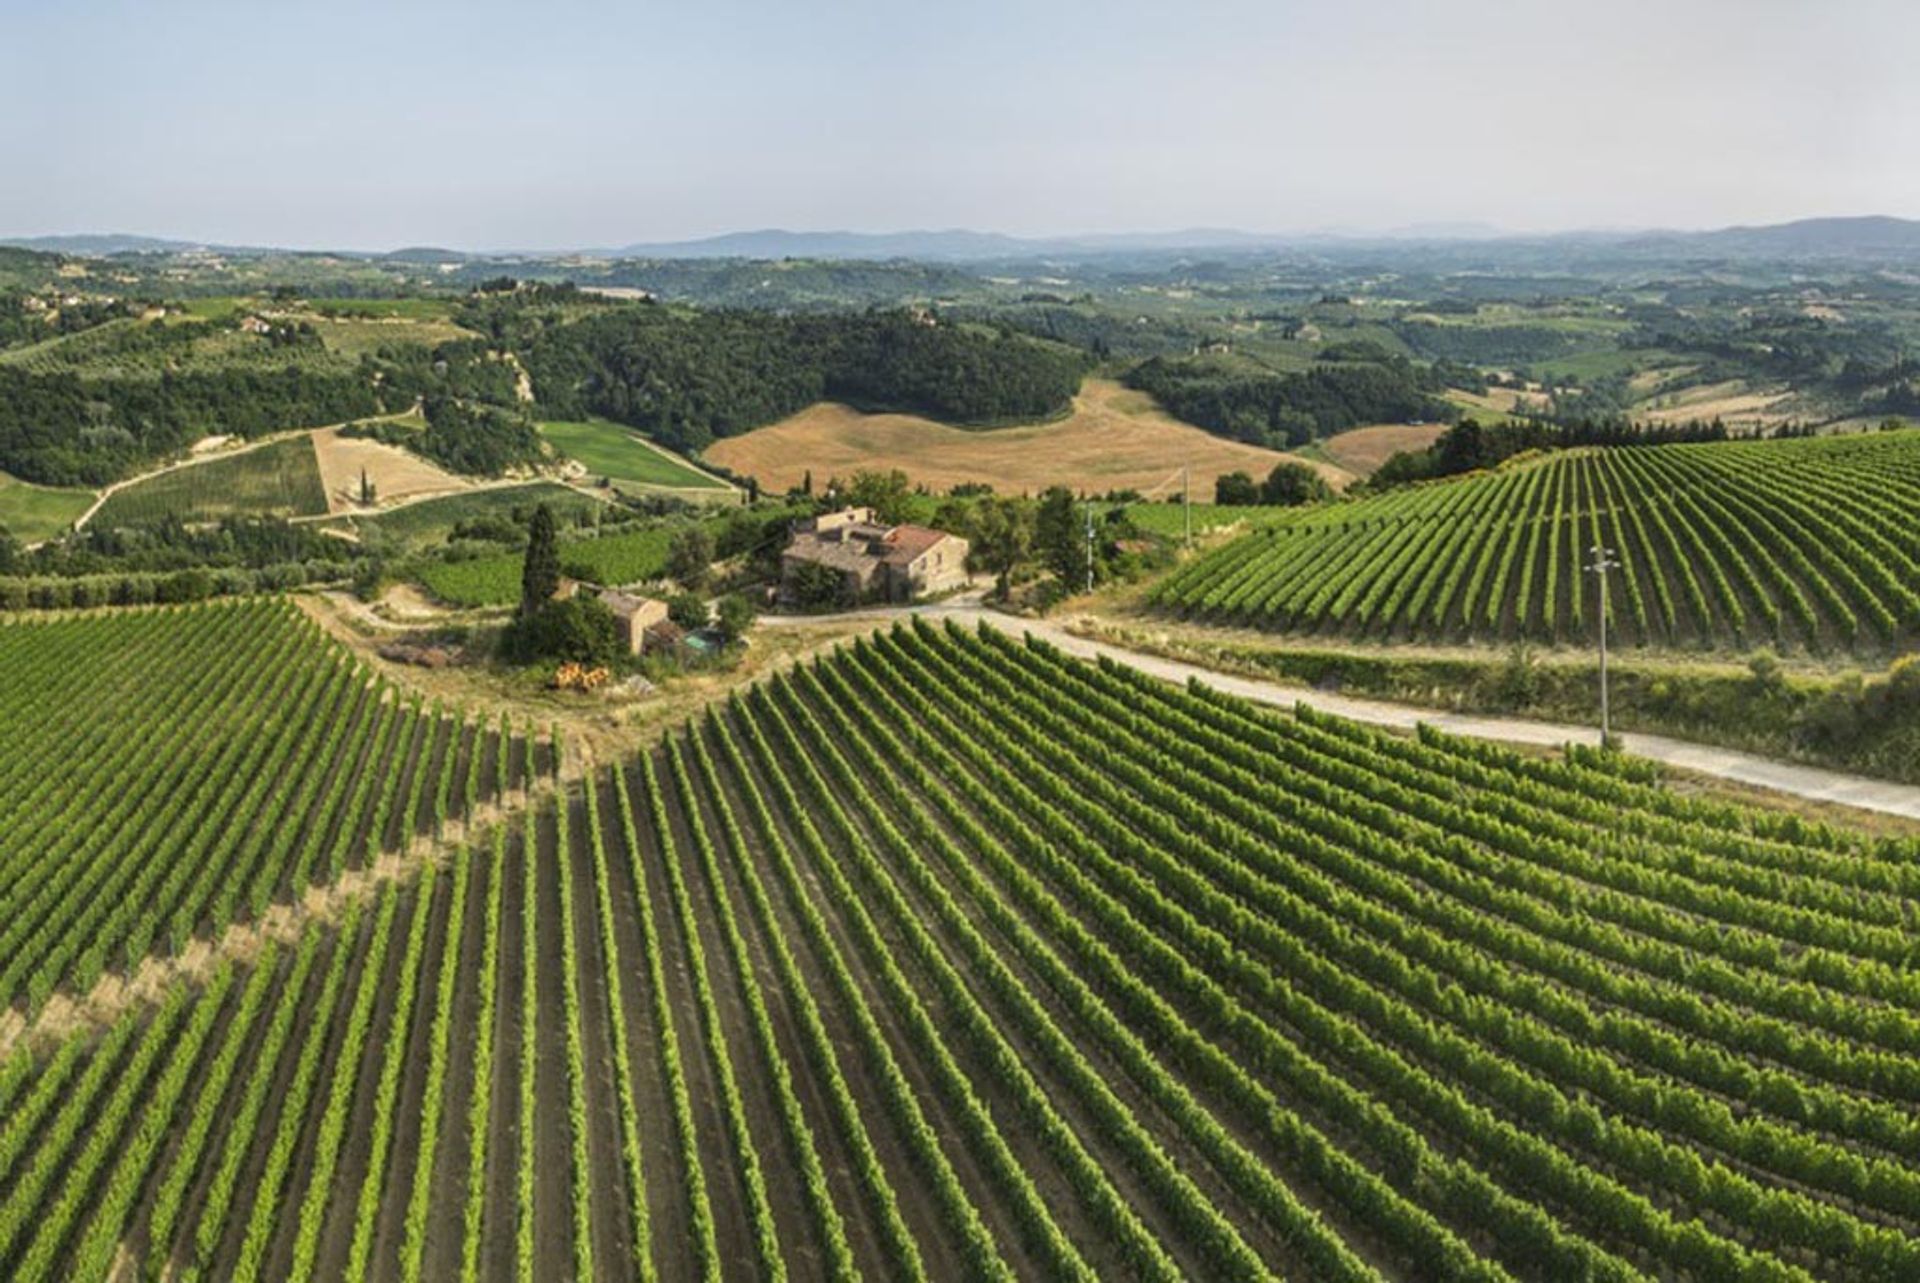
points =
(904, 543)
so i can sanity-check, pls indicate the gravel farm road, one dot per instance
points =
(1810, 782)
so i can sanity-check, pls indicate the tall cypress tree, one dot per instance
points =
(540, 578)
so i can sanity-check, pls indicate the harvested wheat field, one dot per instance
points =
(1114, 439)
(1497, 401)
(1361, 451)
(395, 474)
(1734, 402)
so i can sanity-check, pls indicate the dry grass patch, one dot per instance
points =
(1113, 439)
(1648, 382)
(1497, 401)
(396, 474)
(1732, 402)
(1361, 451)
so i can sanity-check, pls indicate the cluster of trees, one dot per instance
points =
(1487, 344)
(237, 542)
(578, 628)
(1470, 445)
(582, 629)
(464, 436)
(690, 377)
(1082, 323)
(141, 588)
(1466, 446)
(480, 439)
(1281, 410)
(64, 429)
(470, 369)
(1288, 486)
(20, 324)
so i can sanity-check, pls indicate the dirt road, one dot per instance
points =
(1810, 782)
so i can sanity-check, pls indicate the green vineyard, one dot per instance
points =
(950, 957)
(1810, 543)
(211, 761)
(281, 478)
(495, 580)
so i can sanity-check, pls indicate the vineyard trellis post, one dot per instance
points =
(1603, 561)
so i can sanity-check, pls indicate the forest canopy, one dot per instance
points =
(690, 377)
(1280, 410)
(61, 429)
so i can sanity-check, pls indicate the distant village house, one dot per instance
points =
(875, 561)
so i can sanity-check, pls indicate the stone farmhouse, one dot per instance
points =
(876, 561)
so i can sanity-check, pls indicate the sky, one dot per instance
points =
(554, 125)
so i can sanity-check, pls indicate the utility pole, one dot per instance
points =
(1603, 561)
(1089, 514)
(1186, 502)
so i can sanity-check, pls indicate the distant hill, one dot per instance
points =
(424, 254)
(101, 244)
(950, 244)
(1875, 237)
(1871, 237)
(779, 243)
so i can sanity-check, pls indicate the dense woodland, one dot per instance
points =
(1280, 410)
(251, 543)
(66, 429)
(690, 377)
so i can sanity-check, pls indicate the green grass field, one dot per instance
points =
(214, 307)
(624, 558)
(1603, 363)
(1167, 520)
(31, 513)
(495, 581)
(281, 479)
(619, 454)
(412, 309)
(431, 520)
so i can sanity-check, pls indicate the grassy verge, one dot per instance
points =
(1845, 721)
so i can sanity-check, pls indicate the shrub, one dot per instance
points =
(689, 610)
(736, 614)
(579, 629)
(1519, 684)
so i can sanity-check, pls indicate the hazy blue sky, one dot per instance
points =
(484, 125)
